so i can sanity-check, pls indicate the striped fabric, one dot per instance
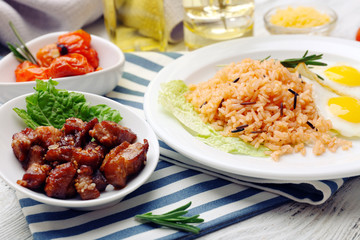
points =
(221, 199)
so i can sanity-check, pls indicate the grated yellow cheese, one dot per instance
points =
(299, 17)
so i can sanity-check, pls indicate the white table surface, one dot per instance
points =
(338, 218)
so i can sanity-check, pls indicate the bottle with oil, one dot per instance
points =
(211, 21)
(136, 25)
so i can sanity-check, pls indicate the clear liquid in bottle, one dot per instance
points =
(211, 21)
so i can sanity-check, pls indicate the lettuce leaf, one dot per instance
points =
(49, 106)
(172, 98)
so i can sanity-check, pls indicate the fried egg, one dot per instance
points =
(340, 78)
(337, 97)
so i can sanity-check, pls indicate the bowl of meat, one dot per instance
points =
(81, 159)
(77, 60)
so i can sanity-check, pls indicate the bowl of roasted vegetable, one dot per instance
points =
(73, 149)
(77, 60)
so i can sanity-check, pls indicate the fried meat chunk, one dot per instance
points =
(92, 155)
(36, 171)
(123, 162)
(135, 157)
(111, 134)
(99, 180)
(61, 154)
(76, 131)
(73, 125)
(84, 184)
(44, 136)
(22, 142)
(48, 135)
(60, 181)
(113, 166)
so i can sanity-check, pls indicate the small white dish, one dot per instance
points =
(202, 64)
(12, 170)
(111, 59)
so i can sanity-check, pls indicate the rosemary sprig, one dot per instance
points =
(265, 58)
(16, 53)
(174, 219)
(24, 54)
(308, 60)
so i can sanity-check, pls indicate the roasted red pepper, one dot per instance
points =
(71, 64)
(27, 71)
(71, 55)
(79, 42)
(47, 54)
(75, 40)
(91, 55)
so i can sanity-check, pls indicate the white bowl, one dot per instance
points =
(111, 59)
(11, 169)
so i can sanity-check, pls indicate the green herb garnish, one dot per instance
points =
(308, 60)
(24, 53)
(174, 219)
(293, 62)
(49, 106)
(265, 58)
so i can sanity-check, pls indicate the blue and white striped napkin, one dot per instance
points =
(221, 199)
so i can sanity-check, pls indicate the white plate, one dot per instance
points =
(11, 169)
(201, 64)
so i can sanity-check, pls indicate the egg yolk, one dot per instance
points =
(347, 108)
(345, 75)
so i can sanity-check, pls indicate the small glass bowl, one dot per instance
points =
(323, 30)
